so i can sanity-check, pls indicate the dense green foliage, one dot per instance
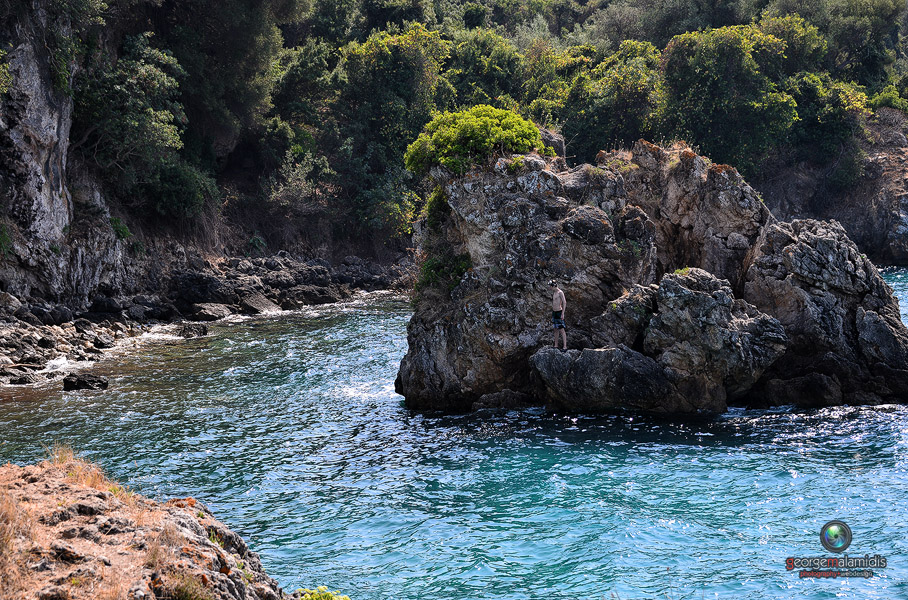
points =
(322, 593)
(442, 272)
(720, 91)
(129, 122)
(616, 102)
(300, 108)
(462, 139)
(5, 78)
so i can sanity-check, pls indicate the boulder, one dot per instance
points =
(25, 379)
(208, 311)
(9, 303)
(553, 140)
(602, 379)
(695, 346)
(258, 304)
(105, 304)
(191, 287)
(84, 381)
(192, 330)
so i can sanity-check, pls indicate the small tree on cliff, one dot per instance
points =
(614, 103)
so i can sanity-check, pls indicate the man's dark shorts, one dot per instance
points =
(557, 319)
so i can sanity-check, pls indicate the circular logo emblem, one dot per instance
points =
(835, 536)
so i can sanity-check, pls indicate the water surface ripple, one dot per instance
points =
(290, 430)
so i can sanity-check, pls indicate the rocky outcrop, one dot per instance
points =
(34, 129)
(70, 533)
(684, 293)
(843, 323)
(686, 345)
(84, 381)
(56, 241)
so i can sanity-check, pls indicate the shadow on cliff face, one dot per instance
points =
(684, 294)
(873, 210)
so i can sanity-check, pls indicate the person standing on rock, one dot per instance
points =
(558, 305)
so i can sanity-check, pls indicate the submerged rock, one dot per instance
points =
(683, 294)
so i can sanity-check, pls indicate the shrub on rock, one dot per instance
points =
(459, 140)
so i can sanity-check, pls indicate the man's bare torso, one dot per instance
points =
(558, 300)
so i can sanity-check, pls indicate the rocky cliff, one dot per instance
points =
(874, 211)
(684, 294)
(69, 533)
(56, 241)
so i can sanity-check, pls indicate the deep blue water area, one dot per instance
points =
(290, 430)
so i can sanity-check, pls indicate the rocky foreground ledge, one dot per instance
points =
(69, 533)
(684, 294)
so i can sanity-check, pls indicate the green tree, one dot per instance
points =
(127, 112)
(608, 27)
(616, 103)
(474, 15)
(481, 68)
(227, 48)
(128, 122)
(302, 81)
(805, 46)
(862, 34)
(386, 94)
(663, 19)
(830, 114)
(378, 15)
(721, 93)
(332, 20)
(547, 73)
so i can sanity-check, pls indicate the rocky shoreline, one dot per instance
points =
(35, 332)
(67, 532)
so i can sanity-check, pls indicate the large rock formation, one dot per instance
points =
(683, 293)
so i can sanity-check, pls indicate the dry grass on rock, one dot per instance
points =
(68, 532)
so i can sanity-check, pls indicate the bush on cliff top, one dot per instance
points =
(459, 140)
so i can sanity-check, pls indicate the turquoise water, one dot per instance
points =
(290, 430)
